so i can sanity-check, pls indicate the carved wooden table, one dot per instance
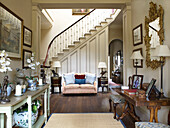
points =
(28, 97)
(132, 101)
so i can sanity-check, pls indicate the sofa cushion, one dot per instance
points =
(69, 78)
(87, 86)
(79, 81)
(79, 76)
(72, 86)
(90, 78)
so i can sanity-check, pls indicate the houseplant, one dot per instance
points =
(32, 64)
(4, 62)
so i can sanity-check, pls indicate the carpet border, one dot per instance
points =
(84, 113)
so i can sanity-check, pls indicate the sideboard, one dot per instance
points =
(28, 97)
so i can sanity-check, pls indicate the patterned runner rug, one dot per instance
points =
(86, 120)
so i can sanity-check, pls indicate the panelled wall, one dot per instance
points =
(87, 56)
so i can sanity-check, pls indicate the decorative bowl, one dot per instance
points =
(21, 118)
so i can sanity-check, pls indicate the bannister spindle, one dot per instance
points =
(71, 35)
(66, 43)
(77, 32)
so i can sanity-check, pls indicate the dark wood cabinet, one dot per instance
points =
(103, 82)
(55, 82)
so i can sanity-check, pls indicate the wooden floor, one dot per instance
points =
(85, 104)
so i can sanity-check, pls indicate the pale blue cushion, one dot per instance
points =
(69, 78)
(90, 78)
(150, 125)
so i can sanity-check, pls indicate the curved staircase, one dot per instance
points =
(79, 32)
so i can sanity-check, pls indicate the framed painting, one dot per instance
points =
(11, 31)
(137, 81)
(27, 39)
(140, 62)
(80, 11)
(26, 55)
(137, 35)
(150, 87)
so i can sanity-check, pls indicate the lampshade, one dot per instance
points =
(162, 50)
(56, 64)
(136, 55)
(102, 65)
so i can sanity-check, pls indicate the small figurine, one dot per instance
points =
(4, 90)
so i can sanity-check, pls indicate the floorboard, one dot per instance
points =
(85, 104)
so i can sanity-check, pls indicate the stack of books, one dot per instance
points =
(130, 91)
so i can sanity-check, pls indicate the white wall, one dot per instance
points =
(140, 9)
(24, 10)
(63, 18)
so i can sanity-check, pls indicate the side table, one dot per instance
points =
(56, 82)
(103, 82)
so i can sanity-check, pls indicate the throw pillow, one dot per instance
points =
(69, 78)
(90, 78)
(79, 76)
(80, 81)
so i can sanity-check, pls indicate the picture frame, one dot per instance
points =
(150, 87)
(137, 81)
(137, 35)
(26, 55)
(140, 62)
(27, 37)
(11, 32)
(80, 11)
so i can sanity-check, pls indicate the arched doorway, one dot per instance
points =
(116, 60)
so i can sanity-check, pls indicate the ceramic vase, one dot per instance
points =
(31, 83)
(9, 89)
(21, 119)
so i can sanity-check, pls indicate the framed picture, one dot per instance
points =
(140, 62)
(26, 55)
(137, 81)
(137, 35)
(27, 37)
(150, 87)
(11, 32)
(80, 11)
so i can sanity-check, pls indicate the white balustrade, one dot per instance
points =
(78, 30)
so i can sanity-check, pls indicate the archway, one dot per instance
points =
(116, 60)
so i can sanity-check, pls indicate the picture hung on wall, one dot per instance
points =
(26, 55)
(137, 35)
(27, 37)
(140, 62)
(11, 31)
(80, 11)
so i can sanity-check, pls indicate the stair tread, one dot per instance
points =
(76, 41)
(93, 30)
(87, 34)
(66, 49)
(71, 45)
(82, 37)
(60, 53)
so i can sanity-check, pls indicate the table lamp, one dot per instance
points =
(136, 56)
(55, 64)
(102, 65)
(162, 51)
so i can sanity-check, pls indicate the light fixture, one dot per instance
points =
(162, 51)
(136, 56)
(102, 65)
(55, 64)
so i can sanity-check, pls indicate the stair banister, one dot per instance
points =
(49, 46)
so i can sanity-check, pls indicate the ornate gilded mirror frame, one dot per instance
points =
(153, 15)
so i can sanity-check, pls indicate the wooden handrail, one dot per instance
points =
(61, 33)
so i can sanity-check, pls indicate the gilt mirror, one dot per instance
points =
(154, 34)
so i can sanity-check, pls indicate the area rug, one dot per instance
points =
(85, 120)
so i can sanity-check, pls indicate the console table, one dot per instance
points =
(134, 101)
(28, 97)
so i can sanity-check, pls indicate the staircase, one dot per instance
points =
(79, 32)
